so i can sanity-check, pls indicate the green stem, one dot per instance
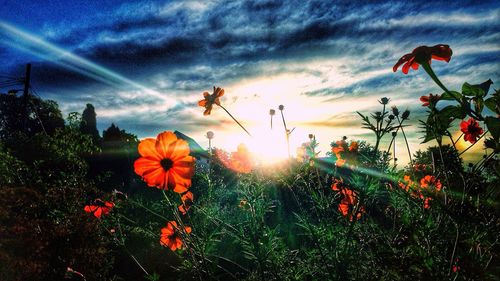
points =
(473, 143)
(235, 120)
(406, 140)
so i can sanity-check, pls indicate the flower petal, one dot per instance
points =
(163, 141)
(147, 148)
(144, 166)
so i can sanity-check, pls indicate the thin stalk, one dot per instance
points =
(287, 134)
(235, 120)
(473, 143)
(406, 140)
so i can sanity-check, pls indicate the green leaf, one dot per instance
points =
(493, 125)
(452, 111)
(470, 90)
(452, 95)
(493, 104)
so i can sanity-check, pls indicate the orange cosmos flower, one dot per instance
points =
(430, 99)
(471, 130)
(210, 99)
(423, 54)
(187, 202)
(165, 162)
(353, 147)
(239, 161)
(429, 180)
(99, 208)
(427, 202)
(171, 237)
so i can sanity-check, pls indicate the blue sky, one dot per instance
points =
(147, 63)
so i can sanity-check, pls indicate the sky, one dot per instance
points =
(145, 64)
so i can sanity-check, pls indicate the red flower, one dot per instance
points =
(348, 202)
(99, 207)
(165, 162)
(210, 99)
(427, 204)
(170, 235)
(471, 130)
(423, 54)
(187, 202)
(430, 99)
(429, 180)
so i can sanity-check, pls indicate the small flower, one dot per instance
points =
(337, 185)
(405, 114)
(239, 161)
(187, 202)
(272, 112)
(210, 99)
(165, 162)
(99, 207)
(427, 202)
(311, 136)
(430, 99)
(384, 101)
(354, 146)
(423, 54)
(395, 111)
(210, 135)
(471, 130)
(171, 237)
(281, 107)
(243, 203)
(347, 204)
(429, 180)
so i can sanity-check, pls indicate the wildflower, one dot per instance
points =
(354, 146)
(427, 204)
(170, 235)
(423, 55)
(239, 161)
(210, 99)
(348, 203)
(243, 204)
(99, 208)
(471, 130)
(430, 99)
(210, 135)
(187, 202)
(405, 114)
(384, 101)
(395, 111)
(165, 162)
(337, 185)
(429, 180)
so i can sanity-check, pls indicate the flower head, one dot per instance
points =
(429, 180)
(187, 202)
(423, 54)
(272, 112)
(165, 162)
(210, 99)
(171, 237)
(471, 130)
(384, 101)
(281, 107)
(210, 135)
(239, 161)
(430, 99)
(99, 207)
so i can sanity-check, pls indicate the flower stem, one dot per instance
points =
(473, 143)
(235, 120)
(406, 140)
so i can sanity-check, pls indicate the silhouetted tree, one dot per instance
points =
(89, 123)
(44, 116)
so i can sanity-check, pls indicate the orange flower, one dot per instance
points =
(353, 147)
(423, 54)
(240, 161)
(429, 180)
(347, 204)
(99, 208)
(187, 202)
(165, 162)
(427, 203)
(171, 237)
(471, 130)
(337, 185)
(209, 100)
(430, 99)
(340, 162)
